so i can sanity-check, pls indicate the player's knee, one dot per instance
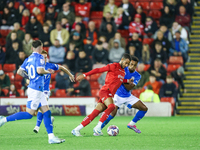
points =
(144, 108)
(28, 116)
(111, 106)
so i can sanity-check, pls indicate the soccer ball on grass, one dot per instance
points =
(113, 130)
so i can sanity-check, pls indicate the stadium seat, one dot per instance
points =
(124, 33)
(52, 86)
(97, 23)
(156, 5)
(5, 91)
(18, 77)
(145, 5)
(85, 23)
(9, 67)
(170, 100)
(136, 93)
(4, 33)
(95, 92)
(76, 84)
(0, 66)
(146, 67)
(27, 4)
(46, 49)
(16, 5)
(53, 76)
(21, 92)
(2, 41)
(172, 67)
(148, 41)
(96, 15)
(94, 85)
(176, 60)
(61, 93)
(18, 84)
(95, 77)
(118, 3)
(156, 14)
(11, 76)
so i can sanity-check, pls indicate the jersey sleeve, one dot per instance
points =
(23, 66)
(40, 62)
(53, 66)
(137, 79)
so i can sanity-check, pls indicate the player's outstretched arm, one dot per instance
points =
(71, 76)
(22, 73)
(43, 71)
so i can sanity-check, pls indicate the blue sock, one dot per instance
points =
(39, 119)
(139, 115)
(47, 121)
(19, 116)
(106, 121)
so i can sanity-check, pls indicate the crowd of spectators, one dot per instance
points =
(72, 38)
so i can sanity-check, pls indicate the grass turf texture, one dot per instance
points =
(157, 133)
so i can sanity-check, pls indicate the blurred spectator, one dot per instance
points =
(56, 53)
(107, 19)
(27, 43)
(139, 11)
(12, 9)
(36, 12)
(65, 24)
(119, 18)
(97, 5)
(183, 18)
(172, 5)
(4, 80)
(70, 60)
(110, 32)
(92, 33)
(179, 47)
(2, 94)
(59, 33)
(116, 51)
(166, 33)
(12, 53)
(38, 4)
(44, 36)
(20, 33)
(72, 47)
(158, 52)
(188, 6)
(144, 76)
(25, 17)
(165, 42)
(76, 38)
(25, 83)
(13, 38)
(150, 26)
(51, 26)
(83, 9)
(8, 19)
(66, 13)
(33, 27)
(51, 14)
(104, 41)
(110, 7)
(136, 26)
(21, 59)
(168, 89)
(62, 79)
(136, 42)
(78, 21)
(57, 4)
(2, 4)
(149, 96)
(167, 17)
(20, 10)
(177, 27)
(146, 59)
(100, 55)
(118, 37)
(102, 78)
(133, 51)
(88, 47)
(158, 70)
(155, 84)
(13, 92)
(83, 62)
(2, 56)
(84, 88)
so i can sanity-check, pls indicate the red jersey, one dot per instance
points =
(41, 6)
(136, 27)
(83, 9)
(114, 77)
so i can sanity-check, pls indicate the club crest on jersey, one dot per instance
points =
(42, 61)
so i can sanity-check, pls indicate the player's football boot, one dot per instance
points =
(2, 121)
(76, 132)
(100, 134)
(133, 128)
(36, 129)
(56, 140)
(97, 131)
(52, 119)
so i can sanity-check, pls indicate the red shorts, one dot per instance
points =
(103, 95)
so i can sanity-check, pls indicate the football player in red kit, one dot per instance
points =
(114, 79)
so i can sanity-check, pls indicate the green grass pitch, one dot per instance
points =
(158, 133)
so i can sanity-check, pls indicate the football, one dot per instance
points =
(113, 130)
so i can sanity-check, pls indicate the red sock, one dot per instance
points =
(90, 117)
(107, 112)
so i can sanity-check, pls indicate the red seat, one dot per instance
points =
(52, 86)
(97, 23)
(146, 67)
(61, 93)
(18, 84)
(2, 41)
(21, 92)
(85, 23)
(0, 67)
(95, 76)
(148, 41)
(11, 76)
(9, 67)
(18, 77)
(96, 15)
(170, 100)
(176, 60)
(172, 67)
(118, 3)
(46, 49)
(94, 85)
(136, 93)
(156, 5)
(4, 33)
(76, 84)
(145, 5)
(5, 91)
(53, 76)
(16, 5)
(95, 92)
(124, 33)
(156, 14)
(27, 4)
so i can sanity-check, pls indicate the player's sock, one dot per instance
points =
(39, 119)
(19, 116)
(47, 121)
(105, 114)
(106, 121)
(90, 117)
(139, 115)
(79, 127)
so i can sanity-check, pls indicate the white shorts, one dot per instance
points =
(47, 94)
(125, 100)
(36, 99)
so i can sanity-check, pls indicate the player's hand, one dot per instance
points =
(51, 71)
(130, 80)
(80, 77)
(72, 79)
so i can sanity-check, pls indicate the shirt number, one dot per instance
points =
(31, 71)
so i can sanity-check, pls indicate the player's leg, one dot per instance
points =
(99, 108)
